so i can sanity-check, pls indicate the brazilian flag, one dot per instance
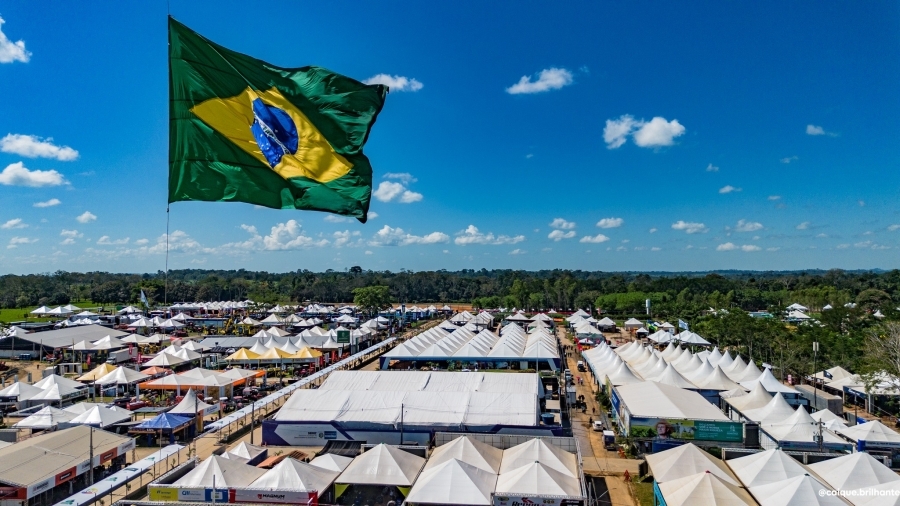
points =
(243, 130)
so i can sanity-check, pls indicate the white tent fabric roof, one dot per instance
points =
(453, 482)
(799, 427)
(45, 418)
(538, 450)
(757, 398)
(800, 490)
(777, 409)
(101, 416)
(122, 376)
(854, 471)
(771, 384)
(164, 360)
(190, 405)
(686, 460)
(537, 478)
(765, 467)
(227, 472)
(704, 488)
(383, 465)
(872, 432)
(21, 391)
(332, 462)
(651, 399)
(470, 451)
(291, 474)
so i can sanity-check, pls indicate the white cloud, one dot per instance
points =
(529, 156)
(558, 235)
(594, 239)
(610, 223)
(408, 197)
(471, 235)
(35, 147)
(334, 218)
(287, 236)
(690, 227)
(814, 130)
(748, 226)
(406, 177)
(388, 191)
(396, 83)
(12, 51)
(728, 189)
(141, 242)
(655, 133)
(547, 79)
(653, 230)
(16, 241)
(658, 132)
(563, 224)
(822, 236)
(617, 131)
(517, 251)
(14, 224)
(774, 248)
(390, 236)
(789, 159)
(15, 174)
(106, 241)
(48, 203)
(774, 197)
(655, 248)
(803, 226)
(346, 238)
(893, 228)
(750, 247)
(712, 168)
(728, 246)
(372, 215)
(70, 236)
(86, 217)
(368, 252)
(862, 203)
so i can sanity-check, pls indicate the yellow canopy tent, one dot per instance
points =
(242, 354)
(274, 354)
(98, 372)
(306, 352)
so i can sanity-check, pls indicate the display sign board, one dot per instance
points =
(672, 428)
(343, 337)
(168, 493)
(531, 500)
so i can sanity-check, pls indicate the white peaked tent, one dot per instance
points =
(769, 382)
(671, 377)
(453, 482)
(122, 376)
(66, 386)
(470, 451)
(108, 343)
(50, 393)
(776, 410)
(246, 450)
(800, 490)
(765, 467)
(40, 310)
(21, 391)
(704, 488)
(714, 356)
(622, 375)
(854, 471)
(383, 465)
(831, 420)
(59, 311)
(291, 474)
(332, 462)
(537, 450)
(757, 398)
(537, 478)
(45, 418)
(797, 428)
(718, 380)
(228, 473)
(164, 360)
(128, 310)
(873, 432)
(687, 460)
(251, 321)
(190, 406)
(724, 361)
(750, 373)
(100, 416)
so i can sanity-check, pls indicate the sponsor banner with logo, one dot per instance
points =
(65, 476)
(531, 500)
(41, 487)
(272, 496)
(674, 428)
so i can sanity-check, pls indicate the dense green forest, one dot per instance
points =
(672, 294)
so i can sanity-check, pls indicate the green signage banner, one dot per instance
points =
(701, 430)
(343, 337)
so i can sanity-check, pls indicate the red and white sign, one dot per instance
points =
(273, 496)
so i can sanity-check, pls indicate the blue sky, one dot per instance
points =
(596, 136)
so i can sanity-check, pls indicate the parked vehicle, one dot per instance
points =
(598, 426)
(25, 356)
(609, 439)
(581, 366)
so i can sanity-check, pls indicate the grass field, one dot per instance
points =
(644, 493)
(17, 315)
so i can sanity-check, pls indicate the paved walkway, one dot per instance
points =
(596, 460)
